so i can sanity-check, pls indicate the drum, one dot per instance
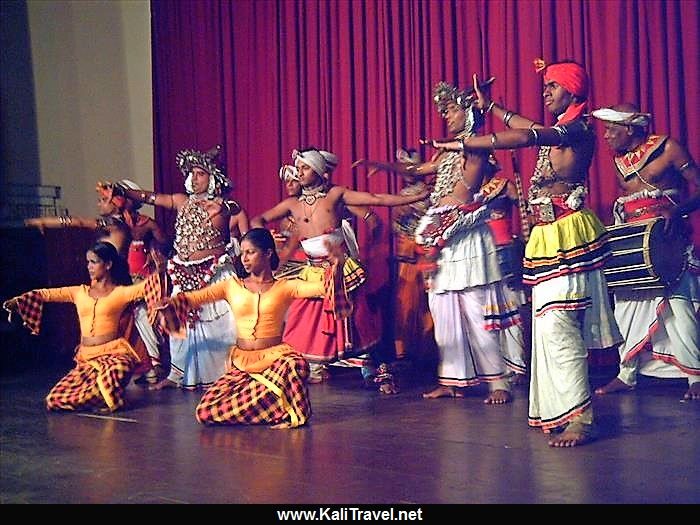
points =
(643, 257)
(510, 260)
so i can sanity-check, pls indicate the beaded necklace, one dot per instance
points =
(449, 172)
(311, 195)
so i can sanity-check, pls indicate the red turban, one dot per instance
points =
(570, 76)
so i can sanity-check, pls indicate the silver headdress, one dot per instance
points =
(444, 94)
(187, 160)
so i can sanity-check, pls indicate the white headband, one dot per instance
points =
(289, 172)
(622, 117)
(320, 161)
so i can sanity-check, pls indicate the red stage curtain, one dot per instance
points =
(263, 77)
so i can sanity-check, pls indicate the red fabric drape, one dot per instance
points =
(263, 77)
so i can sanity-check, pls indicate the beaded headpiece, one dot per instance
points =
(187, 160)
(445, 94)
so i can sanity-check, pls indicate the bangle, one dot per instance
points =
(152, 198)
(231, 206)
(143, 196)
(490, 106)
(535, 136)
(507, 116)
(494, 139)
(462, 145)
(367, 215)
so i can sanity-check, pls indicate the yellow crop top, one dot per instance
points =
(258, 315)
(97, 316)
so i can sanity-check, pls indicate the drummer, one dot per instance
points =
(660, 327)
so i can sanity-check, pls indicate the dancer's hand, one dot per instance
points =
(482, 101)
(10, 305)
(36, 223)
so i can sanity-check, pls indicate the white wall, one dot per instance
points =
(92, 72)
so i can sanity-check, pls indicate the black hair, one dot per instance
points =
(262, 239)
(119, 272)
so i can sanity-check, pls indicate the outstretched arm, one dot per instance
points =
(510, 139)
(275, 213)
(363, 198)
(62, 221)
(165, 200)
(564, 135)
(417, 170)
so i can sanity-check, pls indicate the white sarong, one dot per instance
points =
(662, 333)
(571, 314)
(477, 324)
(200, 358)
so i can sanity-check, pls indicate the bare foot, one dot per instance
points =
(518, 379)
(443, 391)
(279, 426)
(319, 376)
(498, 397)
(571, 438)
(693, 392)
(388, 388)
(613, 386)
(161, 385)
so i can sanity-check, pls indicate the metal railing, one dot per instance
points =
(23, 201)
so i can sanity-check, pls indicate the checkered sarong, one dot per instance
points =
(276, 395)
(336, 299)
(29, 307)
(93, 384)
(155, 290)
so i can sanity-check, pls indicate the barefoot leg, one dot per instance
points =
(518, 379)
(319, 374)
(498, 397)
(573, 436)
(693, 392)
(443, 391)
(161, 385)
(616, 385)
(388, 388)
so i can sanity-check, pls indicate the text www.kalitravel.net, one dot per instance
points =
(350, 514)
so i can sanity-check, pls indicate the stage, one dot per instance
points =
(360, 447)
